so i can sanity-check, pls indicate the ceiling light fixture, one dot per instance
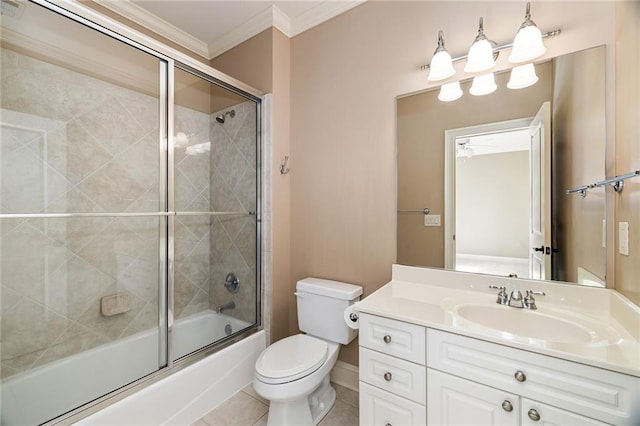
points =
(480, 57)
(522, 76)
(441, 65)
(450, 92)
(527, 45)
(483, 85)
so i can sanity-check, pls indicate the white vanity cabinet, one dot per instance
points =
(581, 394)
(415, 375)
(392, 372)
(455, 401)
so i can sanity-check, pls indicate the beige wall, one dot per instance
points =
(578, 153)
(627, 148)
(346, 74)
(422, 121)
(345, 77)
(264, 62)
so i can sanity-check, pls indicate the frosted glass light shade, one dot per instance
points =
(450, 92)
(483, 85)
(441, 67)
(480, 57)
(527, 45)
(522, 76)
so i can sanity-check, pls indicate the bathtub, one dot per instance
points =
(181, 398)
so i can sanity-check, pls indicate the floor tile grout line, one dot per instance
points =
(256, 399)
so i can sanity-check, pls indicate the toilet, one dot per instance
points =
(293, 373)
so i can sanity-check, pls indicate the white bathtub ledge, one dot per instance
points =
(184, 397)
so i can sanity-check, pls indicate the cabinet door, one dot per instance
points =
(455, 401)
(380, 408)
(536, 414)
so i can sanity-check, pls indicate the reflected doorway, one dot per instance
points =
(487, 212)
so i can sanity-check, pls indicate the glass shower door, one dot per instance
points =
(213, 167)
(83, 221)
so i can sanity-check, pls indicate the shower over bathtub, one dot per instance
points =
(34, 395)
(126, 204)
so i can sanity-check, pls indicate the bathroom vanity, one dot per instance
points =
(436, 349)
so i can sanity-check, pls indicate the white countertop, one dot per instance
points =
(433, 298)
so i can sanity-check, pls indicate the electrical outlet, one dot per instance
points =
(432, 220)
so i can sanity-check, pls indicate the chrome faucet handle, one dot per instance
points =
(502, 294)
(515, 299)
(529, 302)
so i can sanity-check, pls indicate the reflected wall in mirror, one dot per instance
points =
(456, 159)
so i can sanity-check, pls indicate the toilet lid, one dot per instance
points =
(291, 359)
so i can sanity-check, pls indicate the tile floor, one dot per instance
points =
(246, 408)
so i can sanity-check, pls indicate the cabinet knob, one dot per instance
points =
(507, 406)
(388, 424)
(533, 415)
(387, 338)
(387, 376)
(520, 376)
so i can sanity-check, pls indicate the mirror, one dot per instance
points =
(495, 205)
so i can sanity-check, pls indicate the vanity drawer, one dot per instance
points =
(396, 338)
(380, 408)
(593, 392)
(403, 378)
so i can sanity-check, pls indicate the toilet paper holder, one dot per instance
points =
(353, 316)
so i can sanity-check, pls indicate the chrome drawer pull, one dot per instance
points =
(387, 338)
(507, 406)
(387, 376)
(520, 376)
(533, 415)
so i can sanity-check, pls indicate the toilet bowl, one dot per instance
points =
(293, 373)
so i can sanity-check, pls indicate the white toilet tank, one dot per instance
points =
(321, 304)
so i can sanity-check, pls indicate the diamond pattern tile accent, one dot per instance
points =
(79, 144)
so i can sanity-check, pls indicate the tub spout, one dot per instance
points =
(226, 306)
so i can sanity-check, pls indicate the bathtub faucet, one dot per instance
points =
(226, 306)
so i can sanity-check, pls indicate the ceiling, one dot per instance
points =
(211, 27)
(495, 143)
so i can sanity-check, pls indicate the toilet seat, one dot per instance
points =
(291, 358)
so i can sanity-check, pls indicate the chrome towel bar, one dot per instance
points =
(616, 182)
(424, 211)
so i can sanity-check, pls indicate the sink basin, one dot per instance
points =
(526, 323)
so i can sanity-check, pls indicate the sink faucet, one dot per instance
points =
(503, 299)
(529, 302)
(515, 299)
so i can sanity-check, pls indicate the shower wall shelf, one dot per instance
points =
(616, 182)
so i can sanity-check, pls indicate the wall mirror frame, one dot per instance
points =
(574, 85)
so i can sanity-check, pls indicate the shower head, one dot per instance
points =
(221, 117)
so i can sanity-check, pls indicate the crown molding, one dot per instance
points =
(150, 21)
(272, 17)
(321, 13)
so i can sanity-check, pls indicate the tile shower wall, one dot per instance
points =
(233, 238)
(72, 143)
(192, 233)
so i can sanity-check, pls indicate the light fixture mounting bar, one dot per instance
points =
(496, 48)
